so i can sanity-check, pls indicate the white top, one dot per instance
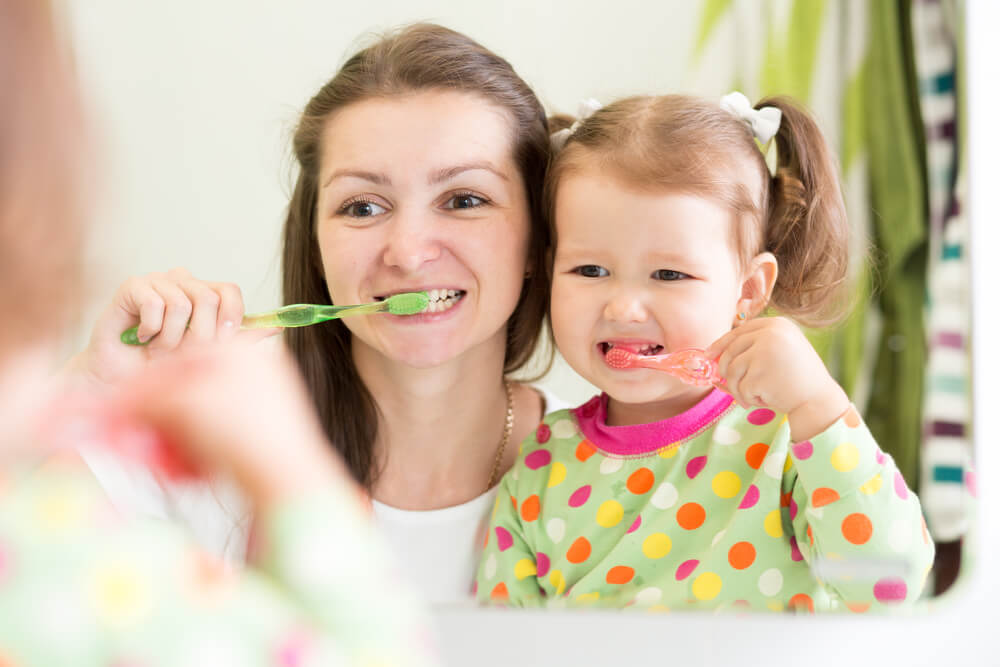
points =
(437, 550)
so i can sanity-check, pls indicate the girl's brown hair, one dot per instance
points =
(685, 144)
(419, 57)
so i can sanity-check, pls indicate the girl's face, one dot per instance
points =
(652, 272)
(421, 192)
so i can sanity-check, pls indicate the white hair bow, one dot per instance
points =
(585, 111)
(763, 122)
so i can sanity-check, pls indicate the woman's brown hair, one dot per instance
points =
(685, 144)
(416, 58)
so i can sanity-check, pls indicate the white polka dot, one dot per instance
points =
(556, 529)
(490, 568)
(900, 535)
(773, 464)
(815, 512)
(648, 596)
(514, 474)
(718, 536)
(665, 496)
(724, 435)
(770, 582)
(563, 428)
(609, 466)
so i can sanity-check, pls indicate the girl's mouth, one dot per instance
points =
(642, 350)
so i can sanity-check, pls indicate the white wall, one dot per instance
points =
(195, 102)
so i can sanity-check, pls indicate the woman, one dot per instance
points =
(421, 164)
(79, 586)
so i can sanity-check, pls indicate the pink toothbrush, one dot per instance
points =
(690, 365)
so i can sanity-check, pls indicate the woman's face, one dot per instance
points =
(420, 192)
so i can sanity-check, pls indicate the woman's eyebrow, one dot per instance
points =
(442, 175)
(376, 178)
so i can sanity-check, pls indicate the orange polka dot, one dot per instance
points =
(530, 508)
(857, 528)
(690, 516)
(852, 418)
(859, 607)
(620, 574)
(755, 454)
(513, 502)
(579, 551)
(809, 532)
(641, 481)
(801, 602)
(585, 450)
(499, 592)
(742, 555)
(824, 496)
(786, 499)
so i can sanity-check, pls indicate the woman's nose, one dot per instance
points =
(625, 306)
(413, 241)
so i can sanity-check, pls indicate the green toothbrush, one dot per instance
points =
(303, 314)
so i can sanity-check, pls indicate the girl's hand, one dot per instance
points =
(237, 409)
(174, 309)
(770, 363)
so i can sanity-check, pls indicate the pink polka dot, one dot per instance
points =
(750, 498)
(686, 568)
(760, 416)
(635, 525)
(802, 450)
(796, 554)
(292, 651)
(580, 496)
(971, 483)
(880, 457)
(538, 459)
(900, 485)
(696, 465)
(504, 539)
(793, 508)
(890, 589)
(543, 433)
(542, 564)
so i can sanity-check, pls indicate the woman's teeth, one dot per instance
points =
(442, 299)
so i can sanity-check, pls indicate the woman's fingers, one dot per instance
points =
(203, 325)
(231, 309)
(177, 313)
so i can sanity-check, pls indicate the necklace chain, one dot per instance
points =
(508, 427)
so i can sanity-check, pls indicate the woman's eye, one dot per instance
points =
(465, 200)
(591, 271)
(668, 274)
(361, 208)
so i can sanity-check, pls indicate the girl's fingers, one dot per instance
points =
(736, 347)
(176, 317)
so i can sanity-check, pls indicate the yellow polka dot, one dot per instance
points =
(775, 605)
(788, 462)
(706, 586)
(656, 545)
(557, 579)
(658, 608)
(588, 597)
(557, 473)
(525, 568)
(726, 484)
(772, 524)
(669, 453)
(610, 513)
(872, 486)
(845, 457)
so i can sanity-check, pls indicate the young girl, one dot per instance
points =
(766, 491)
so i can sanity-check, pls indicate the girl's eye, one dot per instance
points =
(361, 208)
(668, 274)
(591, 271)
(465, 200)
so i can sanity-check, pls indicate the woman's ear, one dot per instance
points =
(758, 283)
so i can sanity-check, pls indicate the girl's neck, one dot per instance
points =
(629, 414)
(438, 428)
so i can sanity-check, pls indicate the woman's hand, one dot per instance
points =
(237, 409)
(770, 363)
(172, 310)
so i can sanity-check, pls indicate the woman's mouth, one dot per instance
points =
(438, 300)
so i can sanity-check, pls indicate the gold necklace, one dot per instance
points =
(508, 426)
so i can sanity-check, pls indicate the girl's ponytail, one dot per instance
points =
(806, 227)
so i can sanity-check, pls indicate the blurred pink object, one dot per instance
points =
(690, 365)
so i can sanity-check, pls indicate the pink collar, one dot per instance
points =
(641, 439)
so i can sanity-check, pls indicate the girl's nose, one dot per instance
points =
(413, 241)
(625, 306)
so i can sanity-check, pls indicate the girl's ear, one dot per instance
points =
(758, 283)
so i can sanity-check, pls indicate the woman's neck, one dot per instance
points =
(438, 428)
(629, 414)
